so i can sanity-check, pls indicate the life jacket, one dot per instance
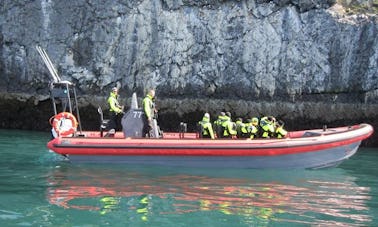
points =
(148, 106)
(218, 125)
(267, 127)
(242, 129)
(280, 132)
(113, 103)
(205, 128)
(252, 130)
(229, 128)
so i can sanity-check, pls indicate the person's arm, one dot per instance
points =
(231, 129)
(211, 131)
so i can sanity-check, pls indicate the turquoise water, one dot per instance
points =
(38, 188)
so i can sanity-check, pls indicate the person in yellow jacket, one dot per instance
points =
(206, 129)
(267, 126)
(242, 128)
(229, 127)
(218, 124)
(280, 131)
(115, 109)
(149, 111)
(253, 127)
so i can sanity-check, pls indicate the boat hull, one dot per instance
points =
(316, 159)
(307, 149)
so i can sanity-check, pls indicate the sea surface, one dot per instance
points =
(40, 188)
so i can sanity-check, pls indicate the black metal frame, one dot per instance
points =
(63, 93)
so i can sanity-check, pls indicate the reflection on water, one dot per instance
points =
(327, 197)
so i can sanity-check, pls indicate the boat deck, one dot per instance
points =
(193, 135)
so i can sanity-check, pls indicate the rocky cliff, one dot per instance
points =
(309, 62)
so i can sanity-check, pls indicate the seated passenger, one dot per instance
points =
(218, 124)
(228, 127)
(253, 128)
(267, 126)
(206, 129)
(280, 132)
(241, 128)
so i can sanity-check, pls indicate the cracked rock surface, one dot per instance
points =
(309, 62)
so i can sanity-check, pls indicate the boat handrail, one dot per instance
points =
(310, 134)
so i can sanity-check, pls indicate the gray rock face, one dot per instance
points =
(205, 55)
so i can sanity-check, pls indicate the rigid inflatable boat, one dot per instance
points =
(316, 148)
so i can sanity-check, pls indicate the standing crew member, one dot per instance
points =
(206, 130)
(115, 109)
(149, 111)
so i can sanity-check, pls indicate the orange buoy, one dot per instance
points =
(64, 124)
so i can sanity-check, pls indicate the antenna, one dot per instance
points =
(48, 63)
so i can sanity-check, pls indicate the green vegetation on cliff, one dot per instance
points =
(360, 6)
